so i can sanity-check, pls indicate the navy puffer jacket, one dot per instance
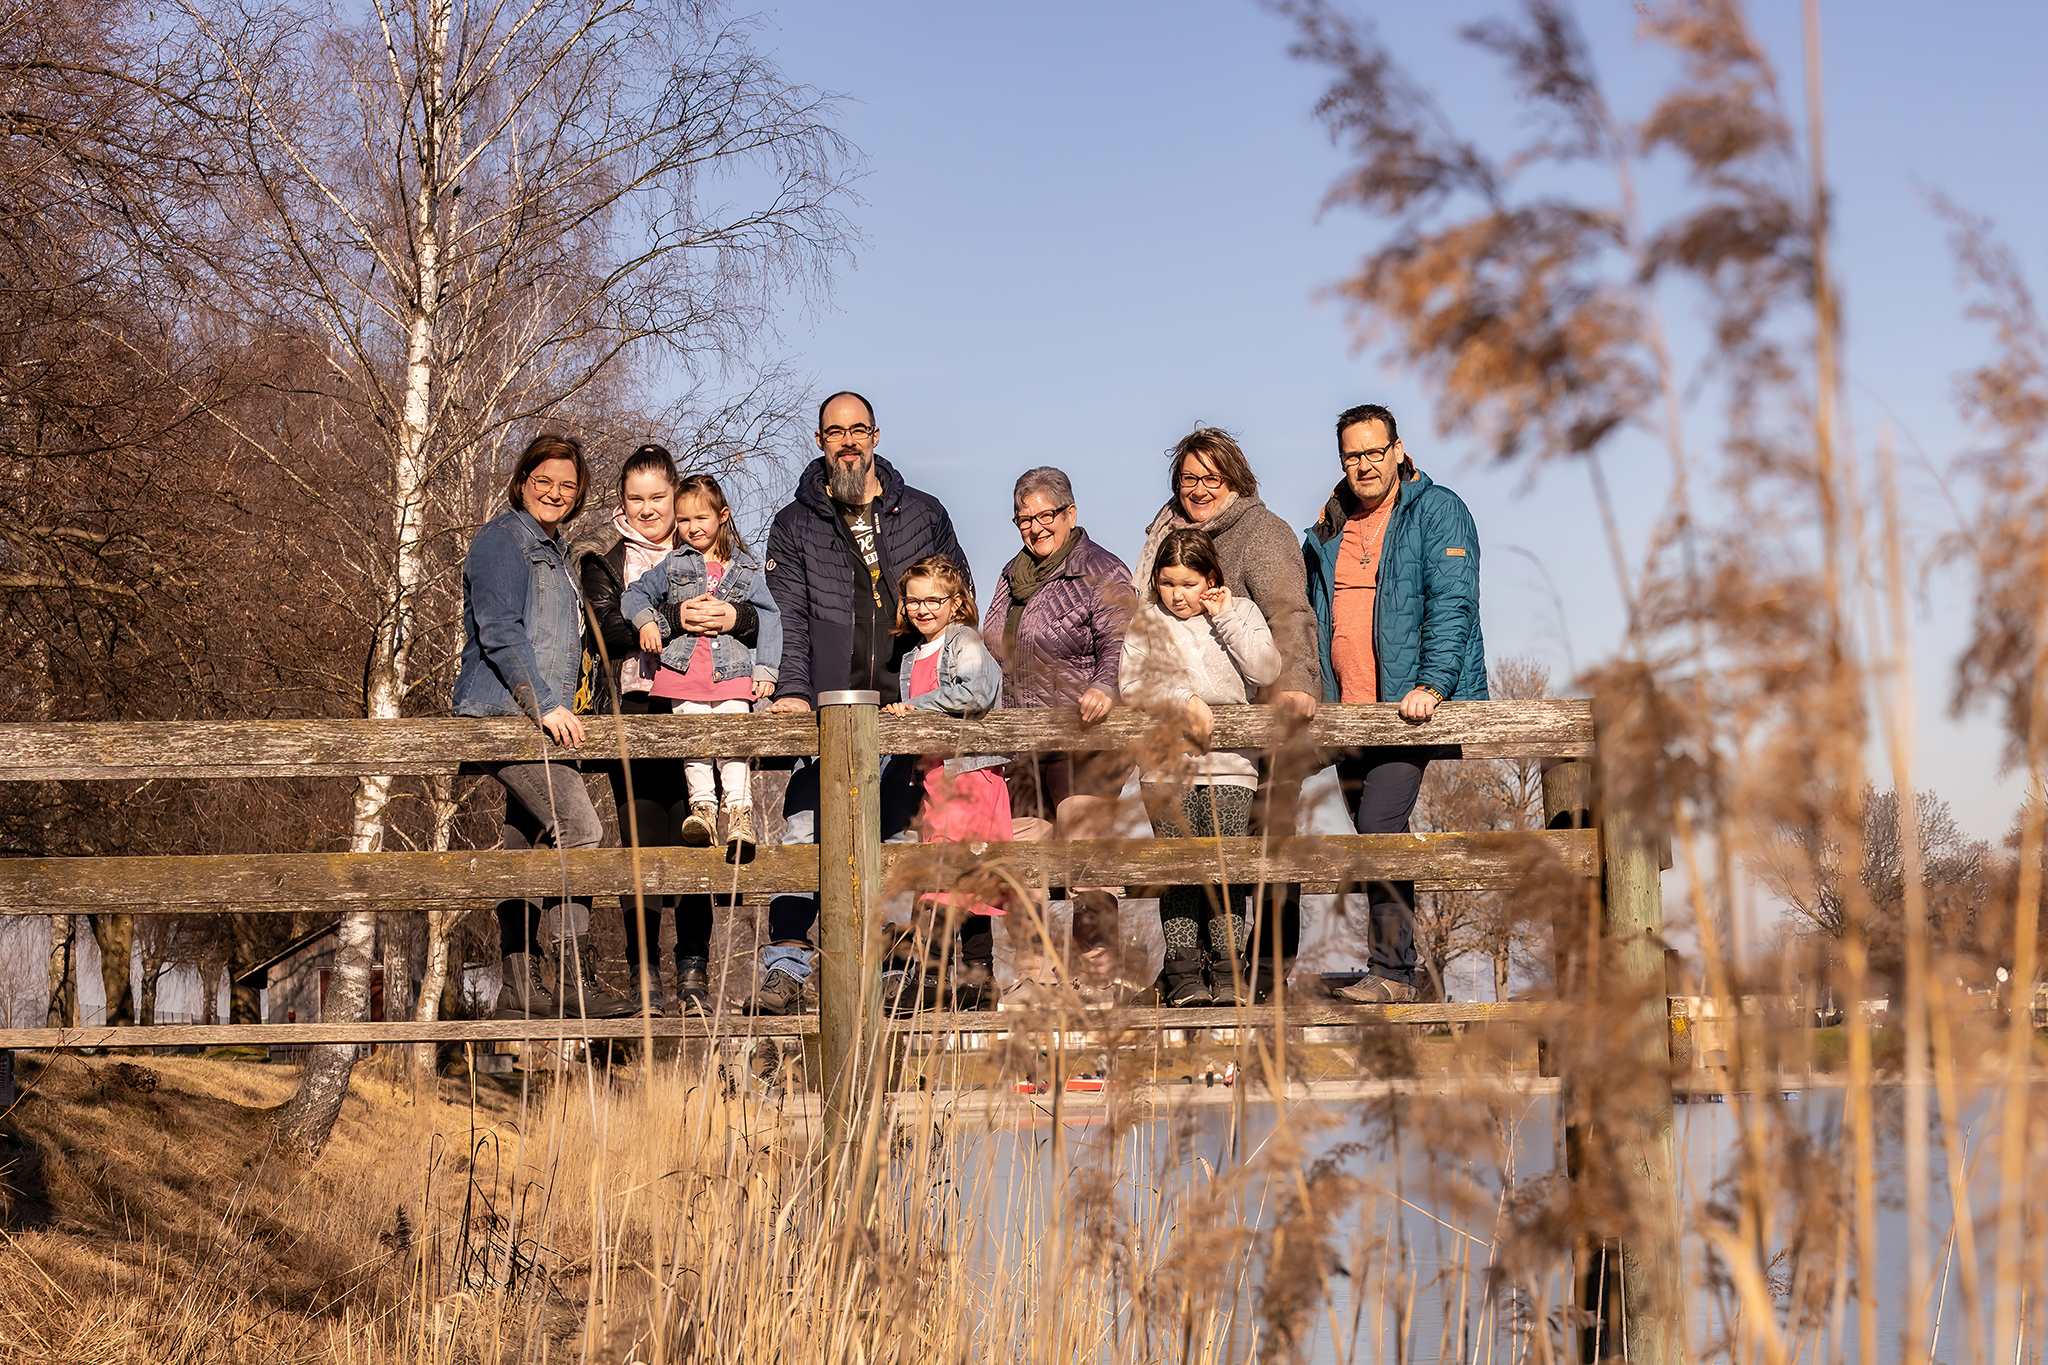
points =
(813, 574)
(1425, 627)
(1070, 635)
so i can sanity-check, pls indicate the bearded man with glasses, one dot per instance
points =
(1393, 568)
(834, 555)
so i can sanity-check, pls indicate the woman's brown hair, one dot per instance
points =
(648, 459)
(1187, 547)
(941, 570)
(1220, 451)
(727, 542)
(539, 451)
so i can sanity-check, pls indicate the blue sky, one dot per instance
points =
(1089, 226)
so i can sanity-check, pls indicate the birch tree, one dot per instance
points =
(486, 214)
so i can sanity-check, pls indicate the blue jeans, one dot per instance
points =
(790, 917)
(1380, 787)
(546, 805)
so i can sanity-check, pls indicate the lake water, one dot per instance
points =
(1436, 1217)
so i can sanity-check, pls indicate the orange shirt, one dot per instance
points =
(1355, 589)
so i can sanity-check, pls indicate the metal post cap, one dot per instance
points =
(849, 698)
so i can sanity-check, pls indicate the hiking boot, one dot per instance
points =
(701, 828)
(1099, 997)
(1181, 984)
(1027, 994)
(693, 985)
(739, 834)
(779, 993)
(908, 989)
(1376, 990)
(525, 992)
(582, 996)
(1223, 990)
(657, 1004)
(974, 985)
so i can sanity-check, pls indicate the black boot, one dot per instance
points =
(1181, 983)
(693, 985)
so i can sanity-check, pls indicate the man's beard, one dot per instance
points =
(848, 483)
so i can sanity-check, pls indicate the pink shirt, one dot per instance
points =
(924, 673)
(697, 684)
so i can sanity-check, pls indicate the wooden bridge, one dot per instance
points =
(1601, 850)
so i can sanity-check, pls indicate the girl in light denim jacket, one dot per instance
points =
(705, 667)
(950, 671)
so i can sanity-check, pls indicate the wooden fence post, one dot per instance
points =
(1628, 1290)
(1652, 1288)
(849, 888)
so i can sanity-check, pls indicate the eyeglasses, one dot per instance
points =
(1349, 458)
(924, 603)
(1041, 520)
(540, 487)
(1212, 482)
(859, 431)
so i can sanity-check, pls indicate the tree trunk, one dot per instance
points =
(152, 975)
(1500, 973)
(115, 935)
(434, 971)
(63, 1008)
(308, 1117)
(401, 936)
(209, 991)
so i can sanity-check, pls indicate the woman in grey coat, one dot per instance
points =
(1259, 556)
(1259, 553)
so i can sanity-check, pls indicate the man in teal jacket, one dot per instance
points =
(1393, 577)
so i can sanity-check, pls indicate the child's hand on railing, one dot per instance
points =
(650, 638)
(1201, 722)
(898, 708)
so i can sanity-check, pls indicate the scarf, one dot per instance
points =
(636, 670)
(1170, 518)
(1027, 576)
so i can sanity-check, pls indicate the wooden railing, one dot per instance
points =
(847, 739)
(287, 882)
(293, 882)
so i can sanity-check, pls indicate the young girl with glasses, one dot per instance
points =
(950, 671)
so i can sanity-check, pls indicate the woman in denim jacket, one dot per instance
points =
(522, 652)
(950, 671)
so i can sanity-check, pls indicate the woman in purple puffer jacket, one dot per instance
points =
(1056, 623)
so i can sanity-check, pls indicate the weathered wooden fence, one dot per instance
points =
(850, 865)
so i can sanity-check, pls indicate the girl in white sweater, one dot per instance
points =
(1191, 647)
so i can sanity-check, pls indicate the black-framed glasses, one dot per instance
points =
(1212, 482)
(1042, 520)
(859, 431)
(1348, 458)
(925, 603)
